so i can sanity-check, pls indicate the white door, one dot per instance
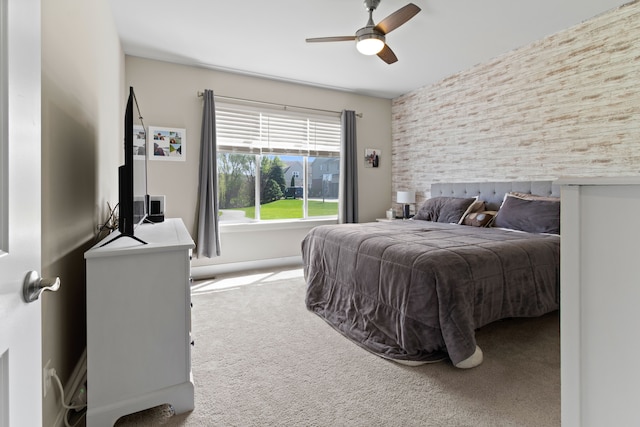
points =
(20, 330)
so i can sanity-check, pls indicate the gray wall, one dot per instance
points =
(567, 105)
(167, 95)
(82, 110)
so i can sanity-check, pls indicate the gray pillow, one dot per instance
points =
(444, 209)
(533, 216)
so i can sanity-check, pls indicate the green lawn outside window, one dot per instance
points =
(291, 208)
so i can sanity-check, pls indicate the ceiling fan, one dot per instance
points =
(370, 40)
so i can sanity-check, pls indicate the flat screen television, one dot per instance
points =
(133, 200)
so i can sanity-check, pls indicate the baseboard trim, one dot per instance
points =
(210, 271)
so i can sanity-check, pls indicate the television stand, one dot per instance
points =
(123, 235)
(139, 324)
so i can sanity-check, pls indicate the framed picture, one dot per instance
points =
(167, 144)
(372, 157)
(139, 141)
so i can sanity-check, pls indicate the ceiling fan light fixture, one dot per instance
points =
(369, 46)
(369, 42)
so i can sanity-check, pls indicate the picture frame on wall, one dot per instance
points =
(167, 144)
(372, 157)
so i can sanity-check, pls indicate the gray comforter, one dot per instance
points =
(417, 290)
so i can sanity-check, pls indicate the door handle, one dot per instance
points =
(34, 285)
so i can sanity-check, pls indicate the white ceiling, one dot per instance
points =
(267, 38)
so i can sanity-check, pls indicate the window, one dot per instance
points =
(276, 165)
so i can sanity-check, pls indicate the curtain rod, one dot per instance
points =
(284, 106)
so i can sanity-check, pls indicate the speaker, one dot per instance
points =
(156, 208)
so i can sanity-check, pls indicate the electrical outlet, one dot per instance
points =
(46, 378)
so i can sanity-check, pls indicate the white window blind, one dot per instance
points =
(245, 129)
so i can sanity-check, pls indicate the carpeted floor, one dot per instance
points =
(261, 359)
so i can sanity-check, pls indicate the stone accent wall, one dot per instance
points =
(567, 105)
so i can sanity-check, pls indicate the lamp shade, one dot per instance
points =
(406, 197)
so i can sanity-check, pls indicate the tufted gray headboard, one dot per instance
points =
(493, 192)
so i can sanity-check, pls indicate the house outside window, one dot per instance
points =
(276, 165)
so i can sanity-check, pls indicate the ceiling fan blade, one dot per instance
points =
(397, 18)
(331, 39)
(387, 55)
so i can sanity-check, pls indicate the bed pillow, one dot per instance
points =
(479, 219)
(476, 206)
(444, 209)
(528, 196)
(531, 215)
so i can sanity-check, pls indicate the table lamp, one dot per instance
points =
(406, 197)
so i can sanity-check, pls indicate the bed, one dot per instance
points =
(415, 291)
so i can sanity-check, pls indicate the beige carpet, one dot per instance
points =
(261, 359)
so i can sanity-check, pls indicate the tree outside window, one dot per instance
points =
(275, 165)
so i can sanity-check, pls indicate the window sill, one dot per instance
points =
(269, 225)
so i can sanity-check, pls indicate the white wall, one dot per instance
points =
(167, 95)
(599, 294)
(82, 110)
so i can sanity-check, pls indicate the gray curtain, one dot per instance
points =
(208, 242)
(348, 169)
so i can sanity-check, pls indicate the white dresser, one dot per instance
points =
(139, 323)
(600, 292)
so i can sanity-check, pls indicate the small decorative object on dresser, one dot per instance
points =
(406, 198)
(156, 208)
